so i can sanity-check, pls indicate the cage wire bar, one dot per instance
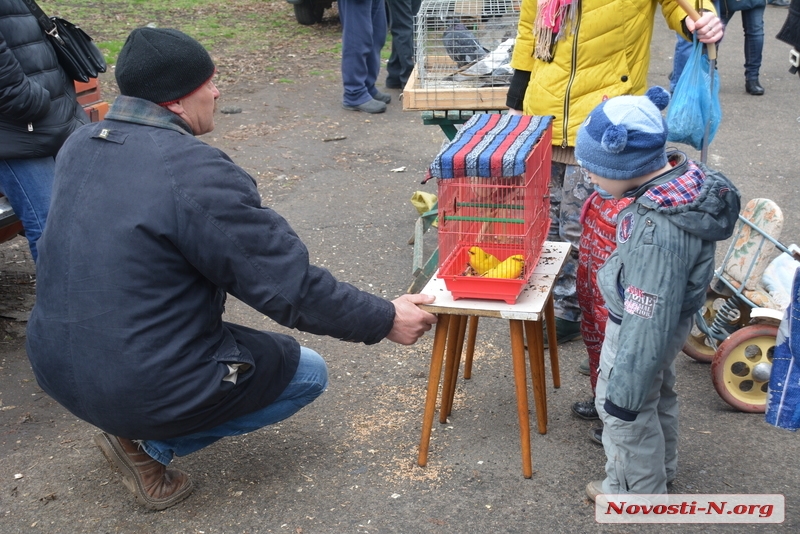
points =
(463, 54)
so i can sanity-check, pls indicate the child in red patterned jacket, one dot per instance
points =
(598, 241)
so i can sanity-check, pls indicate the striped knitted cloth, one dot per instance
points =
(489, 145)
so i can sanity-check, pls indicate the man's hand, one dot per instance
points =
(708, 27)
(410, 322)
(512, 111)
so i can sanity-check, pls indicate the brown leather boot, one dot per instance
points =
(154, 486)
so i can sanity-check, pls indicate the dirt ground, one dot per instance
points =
(347, 463)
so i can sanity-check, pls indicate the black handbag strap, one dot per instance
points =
(44, 21)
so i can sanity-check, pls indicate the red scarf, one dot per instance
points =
(548, 26)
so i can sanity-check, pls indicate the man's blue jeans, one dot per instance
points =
(753, 24)
(28, 184)
(310, 380)
(683, 49)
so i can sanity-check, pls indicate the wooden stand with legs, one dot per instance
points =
(457, 317)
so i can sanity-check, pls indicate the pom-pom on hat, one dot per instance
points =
(625, 137)
(162, 65)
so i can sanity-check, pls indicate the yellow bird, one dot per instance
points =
(511, 267)
(481, 261)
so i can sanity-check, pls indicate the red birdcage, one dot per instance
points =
(493, 200)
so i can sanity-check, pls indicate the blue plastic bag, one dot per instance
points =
(695, 102)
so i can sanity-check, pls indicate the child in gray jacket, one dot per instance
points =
(652, 284)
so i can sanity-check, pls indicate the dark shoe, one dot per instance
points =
(154, 486)
(371, 106)
(753, 87)
(382, 97)
(393, 84)
(585, 410)
(596, 435)
(565, 331)
(778, 3)
(584, 368)
(593, 489)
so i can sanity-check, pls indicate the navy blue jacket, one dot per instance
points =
(149, 229)
(38, 109)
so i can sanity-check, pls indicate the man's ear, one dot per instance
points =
(176, 108)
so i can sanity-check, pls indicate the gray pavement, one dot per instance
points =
(347, 462)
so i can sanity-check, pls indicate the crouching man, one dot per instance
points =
(149, 229)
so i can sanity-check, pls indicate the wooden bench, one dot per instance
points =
(89, 97)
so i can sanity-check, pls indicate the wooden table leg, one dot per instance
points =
(471, 337)
(459, 345)
(433, 387)
(451, 356)
(533, 331)
(550, 319)
(521, 385)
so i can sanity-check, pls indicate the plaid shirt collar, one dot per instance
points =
(679, 191)
(140, 111)
(677, 187)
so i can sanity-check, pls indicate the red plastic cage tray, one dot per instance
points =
(478, 287)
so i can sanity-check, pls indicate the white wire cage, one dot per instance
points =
(462, 54)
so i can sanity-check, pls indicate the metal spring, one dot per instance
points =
(726, 319)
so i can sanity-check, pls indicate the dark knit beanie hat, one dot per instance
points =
(625, 137)
(162, 65)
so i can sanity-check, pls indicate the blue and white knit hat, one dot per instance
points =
(625, 136)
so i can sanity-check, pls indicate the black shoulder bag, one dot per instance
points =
(77, 54)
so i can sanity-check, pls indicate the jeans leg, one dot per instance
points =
(28, 184)
(357, 45)
(310, 380)
(683, 49)
(753, 23)
(379, 31)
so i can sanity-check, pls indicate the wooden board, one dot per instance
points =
(418, 98)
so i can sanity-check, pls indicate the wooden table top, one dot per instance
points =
(529, 305)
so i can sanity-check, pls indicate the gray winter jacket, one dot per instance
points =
(661, 270)
(149, 229)
(38, 109)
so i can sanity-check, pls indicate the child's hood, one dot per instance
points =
(696, 199)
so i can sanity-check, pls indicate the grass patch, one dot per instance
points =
(240, 26)
(248, 39)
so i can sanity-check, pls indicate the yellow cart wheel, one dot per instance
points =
(742, 365)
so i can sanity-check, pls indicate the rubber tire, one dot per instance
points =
(309, 12)
(730, 352)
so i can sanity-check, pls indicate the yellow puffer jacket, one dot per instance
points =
(605, 54)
